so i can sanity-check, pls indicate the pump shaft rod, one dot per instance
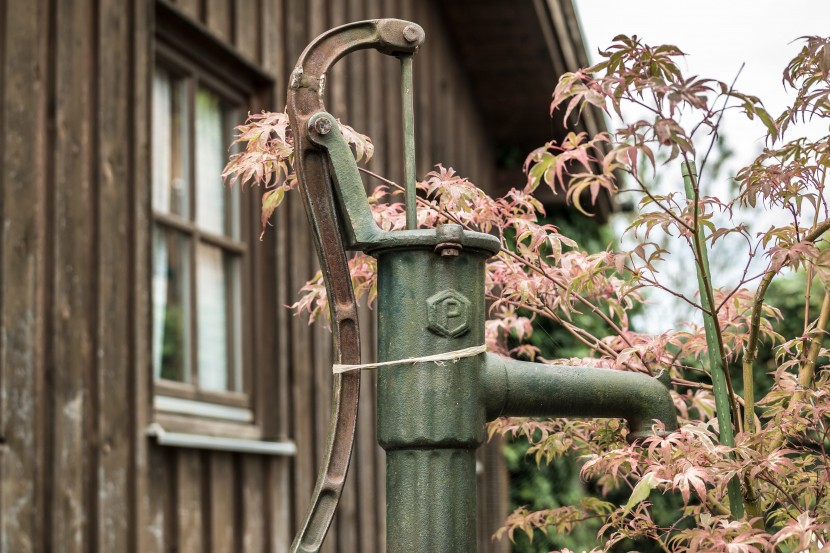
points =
(408, 141)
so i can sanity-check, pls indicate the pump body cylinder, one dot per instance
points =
(430, 416)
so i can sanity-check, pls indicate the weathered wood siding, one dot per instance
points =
(78, 472)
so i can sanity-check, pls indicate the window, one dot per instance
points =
(201, 259)
(197, 251)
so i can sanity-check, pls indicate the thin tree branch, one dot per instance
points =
(751, 352)
(594, 309)
(655, 283)
(720, 116)
(664, 209)
(807, 371)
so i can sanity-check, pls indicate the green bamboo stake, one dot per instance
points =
(722, 403)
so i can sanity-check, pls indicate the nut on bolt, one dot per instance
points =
(411, 33)
(450, 237)
(447, 249)
(322, 125)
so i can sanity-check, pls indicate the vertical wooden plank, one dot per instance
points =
(74, 306)
(482, 161)
(436, 118)
(346, 536)
(274, 318)
(278, 505)
(154, 477)
(460, 93)
(472, 139)
(113, 265)
(494, 503)
(158, 509)
(23, 93)
(273, 55)
(366, 90)
(302, 386)
(318, 23)
(247, 29)
(369, 93)
(189, 502)
(477, 162)
(456, 108)
(445, 109)
(321, 404)
(222, 516)
(337, 95)
(253, 503)
(468, 141)
(365, 473)
(469, 125)
(265, 366)
(460, 123)
(219, 15)
(3, 65)
(279, 510)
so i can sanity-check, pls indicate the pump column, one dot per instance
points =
(431, 417)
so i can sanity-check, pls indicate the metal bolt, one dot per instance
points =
(447, 249)
(411, 33)
(322, 126)
(451, 236)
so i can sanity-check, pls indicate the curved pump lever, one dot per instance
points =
(330, 227)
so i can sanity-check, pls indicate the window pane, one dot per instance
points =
(233, 117)
(219, 337)
(171, 314)
(232, 266)
(170, 159)
(213, 135)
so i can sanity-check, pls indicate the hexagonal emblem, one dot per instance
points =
(448, 313)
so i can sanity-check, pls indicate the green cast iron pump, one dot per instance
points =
(430, 418)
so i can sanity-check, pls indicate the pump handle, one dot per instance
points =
(305, 99)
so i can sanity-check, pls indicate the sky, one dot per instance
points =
(718, 36)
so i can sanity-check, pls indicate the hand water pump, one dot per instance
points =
(431, 304)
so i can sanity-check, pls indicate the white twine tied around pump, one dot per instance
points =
(438, 359)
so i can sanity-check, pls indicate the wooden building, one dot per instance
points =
(155, 393)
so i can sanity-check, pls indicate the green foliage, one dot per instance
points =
(543, 487)
(173, 343)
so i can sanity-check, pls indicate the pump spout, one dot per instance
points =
(520, 389)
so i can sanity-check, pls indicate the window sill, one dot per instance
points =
(217, 443)
(203, 409)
